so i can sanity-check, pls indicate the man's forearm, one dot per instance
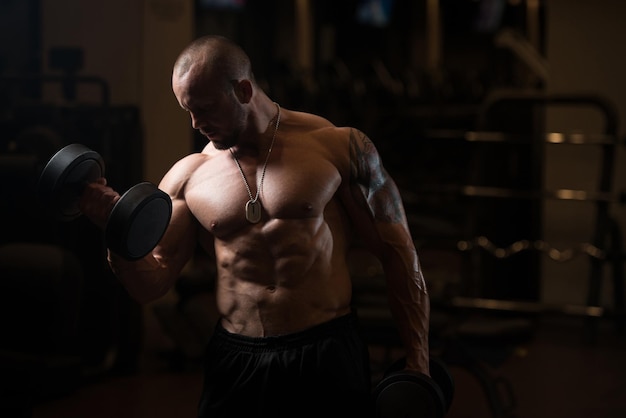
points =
(145, 279)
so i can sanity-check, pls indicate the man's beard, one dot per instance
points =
(226, 142)
(231, 138)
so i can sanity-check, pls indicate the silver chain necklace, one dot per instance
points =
(253, 206)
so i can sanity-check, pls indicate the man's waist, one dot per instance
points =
(335, 326)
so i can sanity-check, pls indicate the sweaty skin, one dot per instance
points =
(325, 190)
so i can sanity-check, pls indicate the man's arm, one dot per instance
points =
(152, 276)
(376, 208)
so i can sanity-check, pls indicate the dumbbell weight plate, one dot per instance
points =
(408, 395)
(138, 221)
(64, 177)
(441, 374)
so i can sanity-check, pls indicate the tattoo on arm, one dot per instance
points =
(368, 175)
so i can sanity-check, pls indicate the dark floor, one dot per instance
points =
(557, 374)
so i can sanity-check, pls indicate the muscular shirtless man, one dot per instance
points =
(279, 197)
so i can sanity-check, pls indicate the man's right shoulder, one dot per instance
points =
(191, 162)
(179, 174)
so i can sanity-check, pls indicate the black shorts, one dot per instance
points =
(319, 372)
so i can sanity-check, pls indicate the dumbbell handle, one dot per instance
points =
(97, 201)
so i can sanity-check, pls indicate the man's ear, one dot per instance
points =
(243, 90)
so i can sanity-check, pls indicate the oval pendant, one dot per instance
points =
(253, 211)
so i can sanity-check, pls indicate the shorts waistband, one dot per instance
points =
(336, 326)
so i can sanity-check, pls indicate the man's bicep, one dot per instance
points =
(371, 185)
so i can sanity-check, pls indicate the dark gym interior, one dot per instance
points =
(500, 120)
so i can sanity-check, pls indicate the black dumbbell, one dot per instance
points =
(414, 395)
(139, 218)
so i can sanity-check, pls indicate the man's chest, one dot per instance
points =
(291, 188)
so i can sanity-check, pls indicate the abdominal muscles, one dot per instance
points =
(280, 277)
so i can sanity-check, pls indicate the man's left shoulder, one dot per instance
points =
(332, 133)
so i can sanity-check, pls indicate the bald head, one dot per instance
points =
(214, 56)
